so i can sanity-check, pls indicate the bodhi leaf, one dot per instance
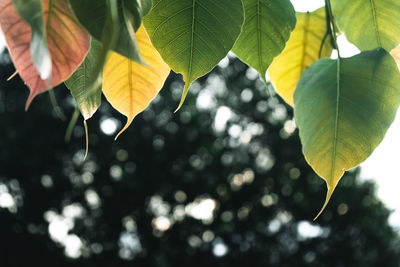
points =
(132, 18)
(144, 6)
(369, 24)
(343, 111)
(108, 39)
(302, 50)
(78, 83)
(137, 9)
(192, 36)
(266, 29)
(32, 12)
(92, 14)
(130, 86)
(67, 43)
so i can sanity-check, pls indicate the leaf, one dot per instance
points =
(302, 50)
(92, 14)
(266, 29)
(369, 24)
(88, 102)
(109, 36)
(343, 112)
(192, 36)
(137, 9)
(132, 19)
(130, 86)
(145, 6)
(67, 43)
(32, 13)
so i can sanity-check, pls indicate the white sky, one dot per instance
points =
(383, 165)
(2, 42)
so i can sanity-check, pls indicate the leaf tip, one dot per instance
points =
(86, 139)
(328, 197)
(29, 100)
(12, 76)
(269, 91)
(184, 94)
(128, 123)
(179, 107)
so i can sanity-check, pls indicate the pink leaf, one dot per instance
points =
(67, 41)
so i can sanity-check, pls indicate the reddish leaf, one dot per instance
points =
(68, 44)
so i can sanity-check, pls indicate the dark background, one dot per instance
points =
(135, 201)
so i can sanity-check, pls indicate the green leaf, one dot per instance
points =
(32, 12)
(192, 36)
(369, 24)
(137, 9)
(266, 29)
(92, 14)
(145, 6)
(108, 38)
(343, 111)
(87, 101)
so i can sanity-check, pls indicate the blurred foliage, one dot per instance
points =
(220, 183)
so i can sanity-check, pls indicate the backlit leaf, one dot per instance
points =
(369, 24)
(343, 112)
(302, 50)
(192, 36)
(130, 86)
(67, 43)
(79, 82)
(92, 14)
(32, 12)
(266, 29)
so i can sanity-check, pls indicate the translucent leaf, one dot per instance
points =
(87, 101)
(68, 44)
(369, 24)
(130, 86)
(192, 36)
(303, 49)
(32, 12)
(266, 29)
(344, 110)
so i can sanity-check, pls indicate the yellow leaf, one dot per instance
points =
(130, 86)
(301, 51)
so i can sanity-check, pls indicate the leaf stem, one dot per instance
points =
(71, 125)
(331, 25)
(56, 107)
(322, 44)
(86, 139)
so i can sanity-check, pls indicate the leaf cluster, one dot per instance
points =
(125, 49)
